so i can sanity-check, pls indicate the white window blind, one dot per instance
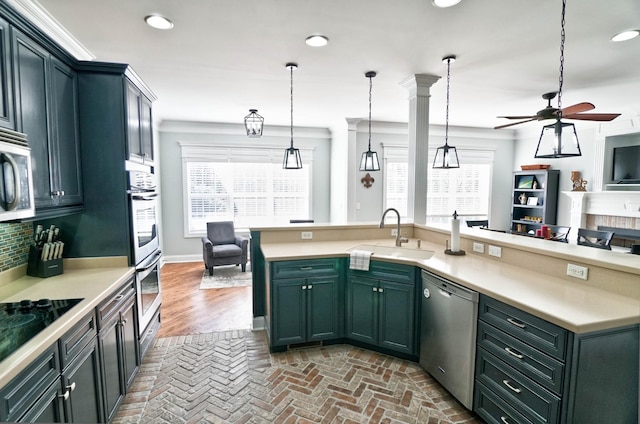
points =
(250, 188)
(466, 189)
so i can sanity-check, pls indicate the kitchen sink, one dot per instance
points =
(394, 252)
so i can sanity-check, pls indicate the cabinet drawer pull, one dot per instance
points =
(512, 353)
(304, 287)
(380, 290)
(504, 419)
(516, 323)
(512, 388)
(375, 289)
(118, 297)
(72, 387)
(65, 396)
(306, 268)
(309, 286)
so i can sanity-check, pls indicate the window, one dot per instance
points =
(466, 189)
(251, 190)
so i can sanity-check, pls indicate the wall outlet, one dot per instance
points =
(394, 232)
(478, 247)
(577, 271)
(495, 251)
(306, 235)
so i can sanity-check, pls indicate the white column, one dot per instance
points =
(419, 92)
(352, 164)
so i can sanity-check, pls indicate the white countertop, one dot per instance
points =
(573, 306)
(91, 284)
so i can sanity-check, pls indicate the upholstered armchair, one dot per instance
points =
(222, 246)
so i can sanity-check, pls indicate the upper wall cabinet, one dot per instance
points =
(140, 137)
(46, 93)
(6, 84)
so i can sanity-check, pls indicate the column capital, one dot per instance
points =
(419, 84)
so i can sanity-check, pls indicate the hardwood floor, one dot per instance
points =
(188, 310)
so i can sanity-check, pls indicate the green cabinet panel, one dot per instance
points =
(304, 309)
(381, 306)
(82, 379)
(46, 93)
(139, 134)
(7, 118)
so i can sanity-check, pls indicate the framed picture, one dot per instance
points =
(526, 181)
(532, 201)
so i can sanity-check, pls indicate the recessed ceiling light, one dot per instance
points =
(158, 21)
(626, 35)
(445, 3)
(316, 40)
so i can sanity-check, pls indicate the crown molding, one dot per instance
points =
(45, 22)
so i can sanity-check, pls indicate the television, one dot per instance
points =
(626, 165)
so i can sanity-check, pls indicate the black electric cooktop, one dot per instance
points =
(21, 321)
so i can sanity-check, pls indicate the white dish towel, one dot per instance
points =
(360, 260)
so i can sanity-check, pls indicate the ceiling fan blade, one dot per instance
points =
(517, 117)
(577, 108)
(592, 116)
(513, 123)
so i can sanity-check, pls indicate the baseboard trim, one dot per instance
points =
(258, 324)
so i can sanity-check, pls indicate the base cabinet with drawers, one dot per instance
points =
(305, 304)
(381, 307)
(529, 370)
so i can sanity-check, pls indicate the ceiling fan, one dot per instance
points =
(570, 112)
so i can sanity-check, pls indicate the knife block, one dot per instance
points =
(36, 267)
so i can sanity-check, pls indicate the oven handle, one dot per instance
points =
(150, 265)
(145, 196)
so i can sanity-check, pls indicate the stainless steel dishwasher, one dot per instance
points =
(448, 335)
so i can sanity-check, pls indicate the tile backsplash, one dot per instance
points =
(14, 244)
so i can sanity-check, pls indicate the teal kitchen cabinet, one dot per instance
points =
(140, 136)
(62, 385)
(305, 301)
(381, 307)
(7, 118)
(46, 93)
(118, 345)
(530, 370)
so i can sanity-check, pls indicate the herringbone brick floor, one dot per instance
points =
(230, 377)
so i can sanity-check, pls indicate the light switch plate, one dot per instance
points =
(478, 247)
(306, 235)
(495, 251)
(577, 271)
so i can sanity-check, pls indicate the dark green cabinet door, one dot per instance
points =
(133, 123)
(6, 85)
(397, 314)
(289, 318)
(129, 343)
(64, 134)
(31, 82)
(48, 408)
(323, 308)
(362, 309)
(82, 380)
(112, 387)
(146, 134)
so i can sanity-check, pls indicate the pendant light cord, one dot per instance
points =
(291, 67)
(446, 122)
(370, 87)
(561, 78)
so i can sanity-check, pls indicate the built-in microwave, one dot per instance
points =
(16, 183)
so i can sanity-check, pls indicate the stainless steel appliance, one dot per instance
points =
(146, 253)
(448, 335)
(16, 183)
(21, 321)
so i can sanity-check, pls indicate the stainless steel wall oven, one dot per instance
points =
(143, 196)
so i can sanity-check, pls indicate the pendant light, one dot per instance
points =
(253, 123)
(446, 156)
(369, 160)
(292, 159)
(553, 141)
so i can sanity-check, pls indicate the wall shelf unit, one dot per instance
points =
(534, 200)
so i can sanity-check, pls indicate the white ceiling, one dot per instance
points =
(224, 57)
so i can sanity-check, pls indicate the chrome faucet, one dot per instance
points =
(399, 238)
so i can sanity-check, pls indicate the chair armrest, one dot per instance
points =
(206, 241)
(242, 241)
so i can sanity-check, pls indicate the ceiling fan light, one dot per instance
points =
(445, 3)
(553, 141)
(625, 35)
(158, 21)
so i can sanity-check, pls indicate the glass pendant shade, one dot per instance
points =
(369, 161)
(253, 123)
(558, 140)
(292, 159)
(446, 157)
